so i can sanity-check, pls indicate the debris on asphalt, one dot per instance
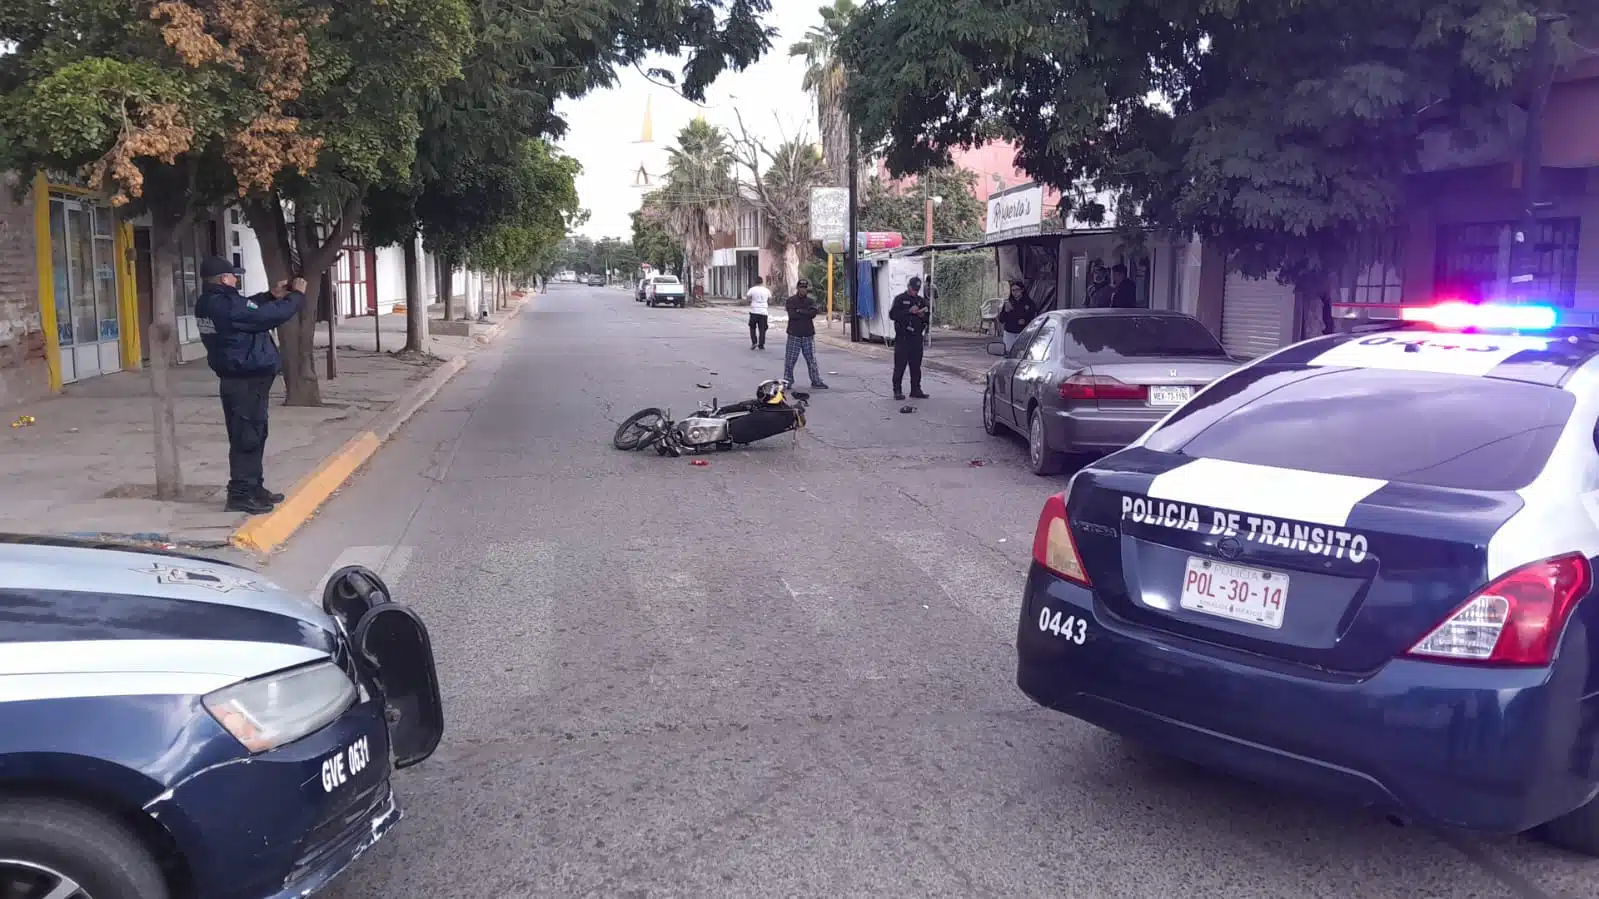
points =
(698, 463)
(906, 410)
(976, 463)
(25, 421)
(703, 386)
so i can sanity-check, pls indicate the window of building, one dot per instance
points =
(193, 245)
(1374, 277)
(749, 228)
(1474, 260)
(84, 272)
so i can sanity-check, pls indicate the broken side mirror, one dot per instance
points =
(392, 644)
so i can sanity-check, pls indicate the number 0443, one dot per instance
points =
(1067, 627)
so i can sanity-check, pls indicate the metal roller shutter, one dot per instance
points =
(1257, 314)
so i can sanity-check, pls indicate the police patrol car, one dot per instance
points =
(1361, 565)
(172, 726)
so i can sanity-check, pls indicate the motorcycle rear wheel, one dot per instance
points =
(640, 430)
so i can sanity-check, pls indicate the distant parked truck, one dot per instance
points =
(664, 290)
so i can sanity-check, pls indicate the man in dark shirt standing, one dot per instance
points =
(238, 346)
(1123, 292)
(909, 314)
(802, 314)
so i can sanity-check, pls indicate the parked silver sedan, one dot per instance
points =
(1090, 381)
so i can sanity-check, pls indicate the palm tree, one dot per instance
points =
(698, 192)
(825, 78)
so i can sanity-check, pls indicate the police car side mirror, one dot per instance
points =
(351, 592)
(396, 643)
(996, 348)
(392, 646)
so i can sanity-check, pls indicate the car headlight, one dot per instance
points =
(276, 709)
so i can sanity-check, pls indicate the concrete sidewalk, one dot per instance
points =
(960, 353)
(85, 465)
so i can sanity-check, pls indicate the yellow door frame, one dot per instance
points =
(128, 337)
(44, 267)
(127, 297)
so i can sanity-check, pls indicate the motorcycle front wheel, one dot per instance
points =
(640, 430)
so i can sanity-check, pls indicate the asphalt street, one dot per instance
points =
(787, 673)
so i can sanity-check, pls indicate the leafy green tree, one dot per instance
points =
(887, 207)
(526, 58)
(651, 240)
(542, 199)
(1283, 131)
(264, 100)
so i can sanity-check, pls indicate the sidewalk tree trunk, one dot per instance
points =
(416, 303)
(163, 355)
(443, 274)
(297, 251)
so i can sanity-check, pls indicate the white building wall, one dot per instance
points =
(246, 250)
(390, 272)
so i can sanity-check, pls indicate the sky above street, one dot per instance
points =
(605, 126)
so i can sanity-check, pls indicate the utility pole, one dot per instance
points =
(851, 250)
(1524, 266)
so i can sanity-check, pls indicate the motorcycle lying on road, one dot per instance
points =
(714, 426)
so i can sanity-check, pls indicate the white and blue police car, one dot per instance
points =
(1362, 566)
(174, 727)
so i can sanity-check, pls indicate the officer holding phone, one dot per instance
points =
(236, 331)
(909, 313)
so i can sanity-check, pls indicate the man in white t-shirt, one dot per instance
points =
(760, 297)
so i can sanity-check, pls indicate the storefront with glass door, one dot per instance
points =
(87, 294)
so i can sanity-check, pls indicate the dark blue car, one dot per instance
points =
(1360, 566)
(173, 726)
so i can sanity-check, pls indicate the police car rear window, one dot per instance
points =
(1438, 430)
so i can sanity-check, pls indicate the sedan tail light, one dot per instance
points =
(1516, 620)
(1100, 387)
(1053, 546)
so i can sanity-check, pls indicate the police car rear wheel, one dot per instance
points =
(63, 850)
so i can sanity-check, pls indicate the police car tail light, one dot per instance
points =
(1053, 546)
(1458, 316)
(277, 709)
(1100, 387)
(1516, 620)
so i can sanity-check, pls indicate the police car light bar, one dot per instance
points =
(1458, 316)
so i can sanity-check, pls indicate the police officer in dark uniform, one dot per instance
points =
(909, 314)
(239, 348)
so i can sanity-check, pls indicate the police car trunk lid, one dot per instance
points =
(1312, 585)
(1362, 477)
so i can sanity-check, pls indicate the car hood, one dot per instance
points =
(74, 607)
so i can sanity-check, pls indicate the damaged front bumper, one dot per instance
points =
(286, 822)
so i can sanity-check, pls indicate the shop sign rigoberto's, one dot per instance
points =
(1016, 212)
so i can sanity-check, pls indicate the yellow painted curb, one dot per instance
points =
(264, 533)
